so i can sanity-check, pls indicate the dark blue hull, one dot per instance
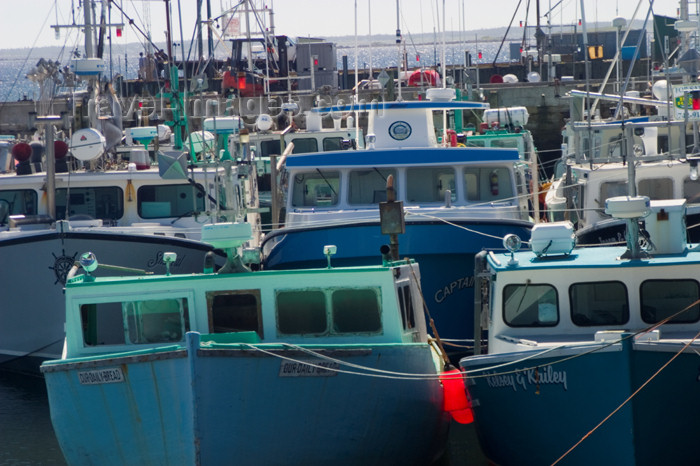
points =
(444, 252)
(612, 401)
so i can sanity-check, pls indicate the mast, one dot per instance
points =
(398, 45)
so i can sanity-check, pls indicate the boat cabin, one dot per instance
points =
(556, 293)
(342, 185)
(322, 306)
(123, 197)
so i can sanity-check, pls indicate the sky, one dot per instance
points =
(26, 23)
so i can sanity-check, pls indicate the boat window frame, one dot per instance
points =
(411, 189)
(378, 195)
(483, 182)
(302, 143)
(329, 311)
(12, 208)
(211, 296)
(198, 191)
(645, 309)
(95, 208)
(598, 317)
(530, 323)
(119, 313)
(320, 178)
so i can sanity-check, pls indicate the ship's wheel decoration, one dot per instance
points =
(62, 265)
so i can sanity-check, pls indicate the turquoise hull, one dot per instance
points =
(232, 404)
(536, 416)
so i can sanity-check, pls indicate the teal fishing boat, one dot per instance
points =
(592, 352)
(323, 366)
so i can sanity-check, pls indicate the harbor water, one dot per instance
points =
(26, 434)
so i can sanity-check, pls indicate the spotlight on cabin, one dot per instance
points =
(88, 262)
(512, 244)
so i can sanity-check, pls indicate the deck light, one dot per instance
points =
(88, 262)
(512, 244)
(169, 258)
(329, 250)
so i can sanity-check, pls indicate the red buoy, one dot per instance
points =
(455, 400)
(21, 151)
(60, 149)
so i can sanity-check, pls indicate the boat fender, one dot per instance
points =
(455, 399)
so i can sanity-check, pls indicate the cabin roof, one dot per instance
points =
(590, 257)
(80, 280)
(423, 104)
(402, 157)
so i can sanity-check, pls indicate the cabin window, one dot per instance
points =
(661, 299)
(330, 144)
(612, 189)
(304, 145)
(429, 184)
(155, 321)
(508, 143)
(487, 184)
(103, 324)
(691, 191)
(406, 304)
(656, 188)
(530, 305)
(301, 312)
(316, 189)
(17, 202)
(356, 311)
(174, 200)
(369, 186)
(471, 142)
(599, 303)
(234, 311)
(268, 148)
(336, 311)
(135, 322)
(105, 203)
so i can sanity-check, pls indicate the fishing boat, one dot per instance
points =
(592, 351)
(594, 168)
(457, 201)
(330, 365)
(129, 216)
(127, 196)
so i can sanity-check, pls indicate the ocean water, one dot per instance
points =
(16, 64)
(26, 433)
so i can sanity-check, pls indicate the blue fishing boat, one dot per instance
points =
(592, 352)
(324, 366)
(457, 200)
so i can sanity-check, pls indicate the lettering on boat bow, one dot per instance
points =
(463, 282)
(306, 369)
(100, 376)
(534, 377)
(158, 260)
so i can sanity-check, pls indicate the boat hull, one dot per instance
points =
(218, 404)
(536, 416)
(445, 253)
(33, 310)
